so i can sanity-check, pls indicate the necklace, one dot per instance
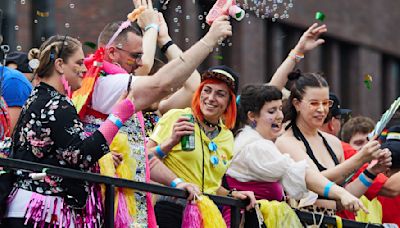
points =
(209, 124)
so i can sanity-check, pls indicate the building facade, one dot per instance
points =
(362, 39)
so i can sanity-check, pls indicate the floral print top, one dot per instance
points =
(49, 132)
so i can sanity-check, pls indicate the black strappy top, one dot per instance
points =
(297, 133)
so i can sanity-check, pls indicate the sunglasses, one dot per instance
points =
(214, 157)
(133, 55)
(313, 104)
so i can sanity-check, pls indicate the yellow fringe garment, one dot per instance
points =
(375, 211)
(278, 214)
(212, 217)
(125, 170)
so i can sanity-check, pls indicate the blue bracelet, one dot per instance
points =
(327, 189)
(159, 152)
(364, 180)
(175, 182)
(116, 120)
(152, 25)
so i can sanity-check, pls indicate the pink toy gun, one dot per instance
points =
(225, 7)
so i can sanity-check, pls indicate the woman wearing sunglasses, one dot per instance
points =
(260, 167)
(308, 107)
(213, 101)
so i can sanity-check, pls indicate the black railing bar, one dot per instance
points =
(308, 218)
(158, 189)
(109, 206)
(117, 182)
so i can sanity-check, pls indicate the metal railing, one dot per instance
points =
(111, 183)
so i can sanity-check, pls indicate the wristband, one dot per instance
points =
(327, 189)
(116, 120)
(364, 180)
(166, 46)
(160, 153)
(175, 182)
(152, 25)
(369, 174)
(296, 56)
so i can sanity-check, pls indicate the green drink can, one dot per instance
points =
(188, 141)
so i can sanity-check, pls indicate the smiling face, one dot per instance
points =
(214, 99)
(128, 54)
(269, 120)
(74, 69)
(314, 106)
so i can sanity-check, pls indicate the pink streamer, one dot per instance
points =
(123, 26)
(123, 218)
(67, 87)
(192, 217)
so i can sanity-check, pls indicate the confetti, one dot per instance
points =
(34, 63)
(219, 57)
(320, 16)
(42, 14)
(92, 45)
(368, 81)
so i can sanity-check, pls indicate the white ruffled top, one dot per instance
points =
(258, 159)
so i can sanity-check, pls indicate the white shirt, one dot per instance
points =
(258, 159)
(107, 91)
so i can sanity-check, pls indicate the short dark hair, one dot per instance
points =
(110, 29)
(253, 98)
(359, 124)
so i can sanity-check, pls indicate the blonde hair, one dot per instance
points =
(53, 48)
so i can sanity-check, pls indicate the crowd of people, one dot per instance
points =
(70, 111)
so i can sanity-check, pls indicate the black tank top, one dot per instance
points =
(297, 133)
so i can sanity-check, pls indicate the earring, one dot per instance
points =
(253, 124)
(67, 87)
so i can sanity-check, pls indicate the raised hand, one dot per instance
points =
(310, 38)
(220, 29)
(148, 16)
(163, 35)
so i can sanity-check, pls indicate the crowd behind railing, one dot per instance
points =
(84, 137)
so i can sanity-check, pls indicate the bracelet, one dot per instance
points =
(175, 182)
(160, 153)
(116, 120)
(369, 174)
(230, 192)
(296, 56)
(327, 189)
(152, 25)
(166, 46)
(364, 180)
(211, 49)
